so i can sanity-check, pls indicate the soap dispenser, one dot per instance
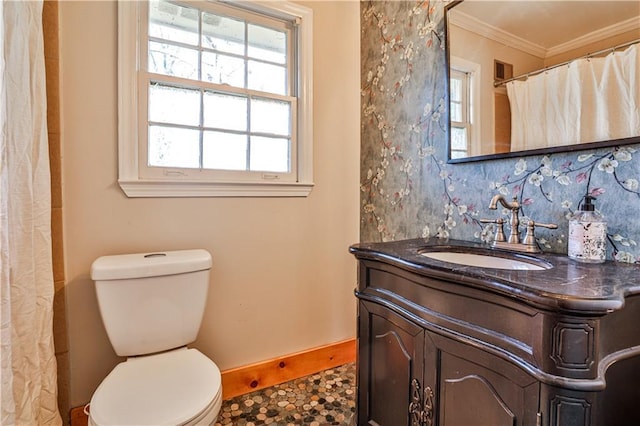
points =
(587, 234)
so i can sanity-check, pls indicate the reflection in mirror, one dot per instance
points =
(542, 76)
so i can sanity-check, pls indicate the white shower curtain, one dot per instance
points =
(589, 100)
(29, 394)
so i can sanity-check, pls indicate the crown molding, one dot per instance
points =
(595, 36)
(474, 25)
(469, 23)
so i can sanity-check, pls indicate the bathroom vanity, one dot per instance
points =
(443, 343)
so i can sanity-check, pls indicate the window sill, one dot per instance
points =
(163, 189)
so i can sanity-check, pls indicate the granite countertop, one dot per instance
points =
(589, 289)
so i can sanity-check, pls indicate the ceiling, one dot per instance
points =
(549, 24)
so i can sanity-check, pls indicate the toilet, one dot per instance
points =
(152, 306)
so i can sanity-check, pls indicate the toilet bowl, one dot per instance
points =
(152, 306)
(179, 387)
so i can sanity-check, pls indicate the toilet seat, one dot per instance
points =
(178, 387)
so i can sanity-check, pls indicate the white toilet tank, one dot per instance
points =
(151, 302)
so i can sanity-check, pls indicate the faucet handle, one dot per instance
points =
(543, 225)
(500, 232)
(530, 238)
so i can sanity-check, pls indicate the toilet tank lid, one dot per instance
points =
(154, 264)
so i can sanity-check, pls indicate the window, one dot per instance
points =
(215, 99)
(465, 108)
(460, 114)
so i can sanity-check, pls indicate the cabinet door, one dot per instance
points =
(480, 389)
(390, 357)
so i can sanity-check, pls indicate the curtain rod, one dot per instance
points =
(587, 56)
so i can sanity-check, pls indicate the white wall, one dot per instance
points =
(282, 279)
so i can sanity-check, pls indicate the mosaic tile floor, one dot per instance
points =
(325, 398)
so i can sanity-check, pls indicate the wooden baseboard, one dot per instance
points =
(249, 378)
(241, 380)
(78, 417)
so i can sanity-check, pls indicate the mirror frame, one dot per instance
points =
(512, 154)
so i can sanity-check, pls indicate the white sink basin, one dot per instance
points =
(485, 261)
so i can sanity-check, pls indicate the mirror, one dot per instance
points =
(498, 50)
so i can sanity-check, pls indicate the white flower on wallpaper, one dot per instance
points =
(607, 165)
(623, 154)
(630, 184)
(535, 179)
(521, 167)
(562, 178)
(407, 188)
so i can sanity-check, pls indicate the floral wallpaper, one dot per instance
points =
(407, 188)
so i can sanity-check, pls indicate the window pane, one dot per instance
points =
(173, 147)
(269, 154)
(172, 60)
(456, 90)
(174, 105)
(225, 111)
(172, 22)
(223, 34)
(458, 138)
(222, 69)
(458, 154)
(224, 151)
(456, 111)
(269, 116)
(267, 78)
(267, 44)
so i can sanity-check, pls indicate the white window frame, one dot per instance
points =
(170, 184)
(465, 122)
(471, 107)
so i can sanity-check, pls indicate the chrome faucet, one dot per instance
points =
(529, 244)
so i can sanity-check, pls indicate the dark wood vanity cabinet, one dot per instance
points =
(401, 366)
(438, 346)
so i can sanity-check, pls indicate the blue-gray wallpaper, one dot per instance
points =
(407, 188)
